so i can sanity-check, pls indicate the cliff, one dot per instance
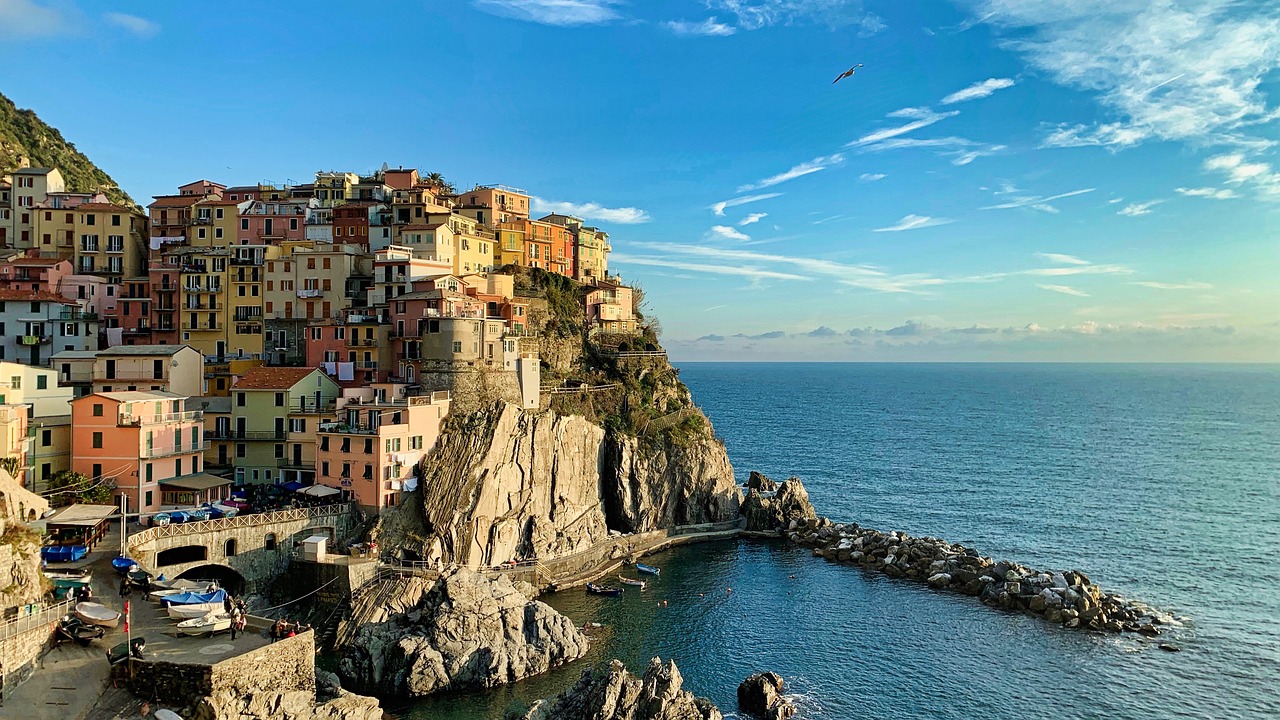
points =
(21, 581)
(23, 134)
(612, 693)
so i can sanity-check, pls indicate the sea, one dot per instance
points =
(1160, 482)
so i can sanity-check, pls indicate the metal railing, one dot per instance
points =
(44, 616)
(157, 452)
(160, 418)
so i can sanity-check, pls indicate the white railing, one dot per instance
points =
(240, 521)
(44, 616)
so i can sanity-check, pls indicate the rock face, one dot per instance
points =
(1066, 598)
(758, 481)
(761, 697)
(20, 576)
(789, 504)
(465, 632)
(292, 705)
(504, 484)
(612, 693)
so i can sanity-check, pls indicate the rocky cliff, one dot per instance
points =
(21, 581)
(465, 632)
(612, 693)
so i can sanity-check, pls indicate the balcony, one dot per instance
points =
(77, 316)
(165, 287)
(158, 452)
(248, 328)
(33, 339)
(309, 407)
(258, 435)
(140, 330)
(137, 377)
(125, 420)
(366, 365)
(309, 293)
(339, 428)
(289, 464)
(215, 288)
(248, 314)
(251, 261)
(362, 342)
(202, 220)
(203, 326)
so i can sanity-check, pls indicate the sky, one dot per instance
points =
(998, 179)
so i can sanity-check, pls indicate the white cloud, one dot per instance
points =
(964, 157)
(922, 117)
(1175, 286)
(591, 211)
(554, 12)
(871, 177)
(753, 273)
(23, 19)
(1240, 171)
(1166, 70)
(1064, 289)
(141, 27)
(755, 14)
(1063, 259)
(724, 232)
(961, 151)
(978, 90)
(1208, 192)
(1036, 201)
(709, 28)
(1089, 269)
(720, 207)
(817, 164)
(752, 218)
(1138, 209)
(913, 222)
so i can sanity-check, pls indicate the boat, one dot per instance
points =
(123, 565)
(66, 584)
(188, 612)
(648, 569)
(63, 553)
(178, 517)
(160, 519)
(73, 628)
(120, 653)
(631, 581)
(140, 578)
(97, 614)
(188, 605)
(195, 598)
(166, 714)
(206, 624)
(605, 590)
(198, 514)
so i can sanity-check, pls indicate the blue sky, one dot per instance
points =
(1001, 180)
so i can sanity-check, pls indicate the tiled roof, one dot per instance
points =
(141, 350)
(33, 296)
(176, 200)
(37, 261)
(109, 207)
(271, 378)
(136, 396)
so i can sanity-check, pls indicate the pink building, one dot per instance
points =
(147, 444)
(271, 222)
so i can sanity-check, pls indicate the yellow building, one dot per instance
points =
(216, 221)
(55, 224)
(246, 301)
(509, 248)
(111, 240)
(335, 188)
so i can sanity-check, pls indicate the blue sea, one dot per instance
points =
(1161, 482)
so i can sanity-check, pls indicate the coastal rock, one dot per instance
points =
(789, 505)
(612, 693)
(292, 705)
(758, 481)
(761, 697)
(466, 631)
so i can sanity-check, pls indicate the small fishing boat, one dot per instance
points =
(63, 553)
(67, 586)
(605, 590)
(97, 614)
(123, 565)
(178, 517)
(648, 569)
(631, 581)
(72, 628)
(140, 578)
(160, 519)
(187, 612)
(206, 624)
(187, 605)
(198, 514)
(166, 714)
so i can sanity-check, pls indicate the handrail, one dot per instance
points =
(23, 623)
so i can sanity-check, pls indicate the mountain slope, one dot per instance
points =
(23, 133)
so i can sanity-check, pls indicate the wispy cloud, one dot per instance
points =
(707, 28)
(748, 272)
(24, 20)
(141, 27)
(752, 218)
(724, 232)
(1208, 192)
(961, 150)
(591, 211)
(913, 222)
(1240, 171)
(921, 117)
(554, 12)
(978, 90)
(871, 177)
(1061, 259)
(817, 164)
(1036, 202)
(1089, 269)
(1064, 289)
(1138, 209)
(721, 206)
(756, 14)
(1181, 71)
(1175, 286)
(964, 157)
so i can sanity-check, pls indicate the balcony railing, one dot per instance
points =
(257, 435)
(362, 342)
(160, 418)
(290, 464)
(77, 316)
(33, 339)
(309, 293)
(203, 326)
(128, 377)
(157, 452)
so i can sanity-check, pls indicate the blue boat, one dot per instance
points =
(123, 565)
(198, 514)
(177, 517)
(214, 512)
(649, 569)
(191, 598)
(63, 553)
(160, 519)
(605, 590)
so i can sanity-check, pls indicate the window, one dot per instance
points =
(324, 468)
(240, 399)
(148, 498)
(46, 438)
(297, 425)
(244, 223)
(279, 451)
(177, 466)
(269, 542)
(279, 399)
(42, 382)
(368, 446)
(239, 449)
(97, 471)
(97, 440)
(97, 409)
(457, 346)
(229, 547)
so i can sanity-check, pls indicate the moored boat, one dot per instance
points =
(73, 628)
(123, 565)
(206, 624)
(187, 612)
(97, 614)
(631, 581)
(160, 519)
(648, 569)
(605, 590)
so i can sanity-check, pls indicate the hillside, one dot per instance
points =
(23, 133)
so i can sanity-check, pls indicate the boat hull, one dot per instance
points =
(594, 589)
(188, 612)
(631, 582)
(205, 625)
(95, 614)
(647, 569)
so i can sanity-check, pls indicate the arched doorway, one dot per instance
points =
(228, 579)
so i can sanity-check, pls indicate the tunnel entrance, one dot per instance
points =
(228, 579)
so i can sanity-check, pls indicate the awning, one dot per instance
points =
(292, 486)
(81, 515)
(319, 491)
(198, 481)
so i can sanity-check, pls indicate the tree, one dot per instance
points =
(11, 464)
(437, 181)
(67, 488)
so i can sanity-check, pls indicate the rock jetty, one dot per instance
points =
(760, 696)
(1066, 598)
(612, 693)
(467, 631)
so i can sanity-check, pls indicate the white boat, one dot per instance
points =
(631, 581)
(158, 593)
(188, 612)
(97, 614)
(206, 624)
(195, 586)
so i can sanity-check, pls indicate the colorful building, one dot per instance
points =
(178, 369)
(275, 413)
(34, 325)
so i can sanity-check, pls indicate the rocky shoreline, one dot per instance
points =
(1068, 598)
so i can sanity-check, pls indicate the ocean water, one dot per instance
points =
(1160, 482)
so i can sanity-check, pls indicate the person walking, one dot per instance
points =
(125, 588)
(235, 623)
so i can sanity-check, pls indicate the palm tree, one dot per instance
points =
(437, 181)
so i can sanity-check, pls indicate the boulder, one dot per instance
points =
(790, 504)
(612, 693)
(761, 697)
(468, 631)
(757, 481)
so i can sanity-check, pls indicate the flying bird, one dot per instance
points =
(846, 73)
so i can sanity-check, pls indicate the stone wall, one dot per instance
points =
(19, 653)
(472, 388)
(179, 684)
(283, 666)
(20, 576)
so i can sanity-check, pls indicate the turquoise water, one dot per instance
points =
(1161, 482)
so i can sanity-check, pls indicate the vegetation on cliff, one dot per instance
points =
(23, 134)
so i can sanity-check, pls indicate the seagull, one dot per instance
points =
(846, 73)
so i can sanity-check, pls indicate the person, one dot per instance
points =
(235, 623)
(86, 593)
(277, 630)
(125, 588)
(239, 622)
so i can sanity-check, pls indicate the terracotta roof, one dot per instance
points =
(271, 378)
(37, 261)
(112, 207)
(34, 296)
(176, 200)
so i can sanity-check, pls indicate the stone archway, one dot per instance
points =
(228, 578)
